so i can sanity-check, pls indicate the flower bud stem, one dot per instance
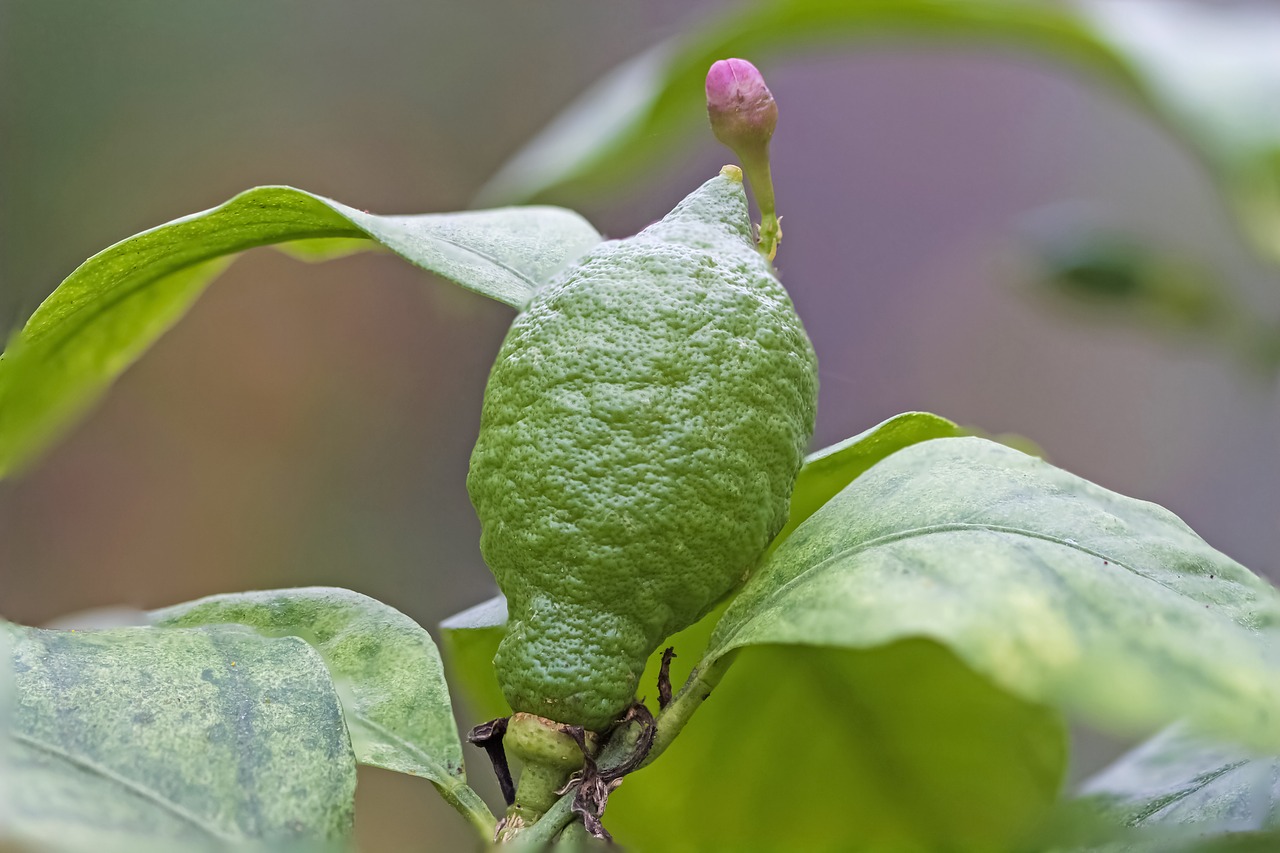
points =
(757, 172)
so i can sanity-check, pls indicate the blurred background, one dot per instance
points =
(311, 424)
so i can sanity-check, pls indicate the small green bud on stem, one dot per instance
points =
(743, 116)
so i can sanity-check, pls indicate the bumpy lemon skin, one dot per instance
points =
(641, 432)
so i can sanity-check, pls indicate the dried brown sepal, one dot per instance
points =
(488, 736)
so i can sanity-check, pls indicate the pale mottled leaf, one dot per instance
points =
(139, 739)
(386, 668)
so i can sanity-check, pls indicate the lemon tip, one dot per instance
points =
(732, 172)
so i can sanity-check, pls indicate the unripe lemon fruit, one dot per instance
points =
(641, 432)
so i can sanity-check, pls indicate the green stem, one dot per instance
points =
(540, 835)
(670, 721)
(576, 839)
(755, 163)
(463, 797)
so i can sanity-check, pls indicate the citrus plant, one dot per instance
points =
(918, 609)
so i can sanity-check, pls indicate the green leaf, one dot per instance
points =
(904, 642)
(1211, 74)
(122, 739)
(105, 315)
(386, 669)
(1055, 589)
(804, 748)
(1177, 781)
(829, 470)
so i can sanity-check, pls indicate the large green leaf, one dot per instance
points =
(386, 669)
(903, 644)
(1210, 73)
(1056, 589)
(107, 312)
(139, 739)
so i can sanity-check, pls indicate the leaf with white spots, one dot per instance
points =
(385, 666)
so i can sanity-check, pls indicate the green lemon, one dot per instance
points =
(641, 433)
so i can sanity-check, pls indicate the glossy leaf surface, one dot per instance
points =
(808, 748)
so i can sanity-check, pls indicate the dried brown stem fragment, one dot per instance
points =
(664, 677)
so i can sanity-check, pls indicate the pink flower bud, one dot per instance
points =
(743, 116)
(743, 112)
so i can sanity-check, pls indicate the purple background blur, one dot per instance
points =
(311, 424)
